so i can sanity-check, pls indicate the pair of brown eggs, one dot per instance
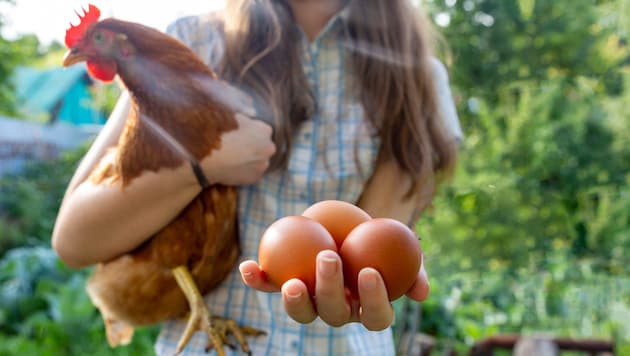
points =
(289, 247)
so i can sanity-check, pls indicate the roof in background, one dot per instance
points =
(23, 141)
(60, 134)
(39, 90)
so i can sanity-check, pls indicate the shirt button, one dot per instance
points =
(307, 136)
(295, 344)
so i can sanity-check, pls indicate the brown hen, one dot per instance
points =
(176, 115)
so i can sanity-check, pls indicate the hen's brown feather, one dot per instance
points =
(138, 288)
(169, 85)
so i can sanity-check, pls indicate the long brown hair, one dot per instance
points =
(389, 45)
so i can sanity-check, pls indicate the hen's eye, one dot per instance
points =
(98, 37)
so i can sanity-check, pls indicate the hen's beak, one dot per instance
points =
(73, 56)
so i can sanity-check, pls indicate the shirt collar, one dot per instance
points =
(335, 24)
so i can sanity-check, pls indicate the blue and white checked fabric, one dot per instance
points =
(332, 157)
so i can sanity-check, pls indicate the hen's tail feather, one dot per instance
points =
(118, 332)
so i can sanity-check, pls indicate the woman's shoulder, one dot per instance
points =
(202, 33)
(446, 104)
(196, 28)
(438, 68)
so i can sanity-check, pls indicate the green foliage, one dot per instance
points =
(51, 56)
(560, 38)
(7, 63)
(560, 300)
(25, 49)
(549, 178)
(533, 233)
(105, 96)
(531, 236)
(29, 201)
(6, 67)
(44, 310)
(12, 53)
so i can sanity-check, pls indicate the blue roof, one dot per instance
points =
(38, 91)
(57, 94)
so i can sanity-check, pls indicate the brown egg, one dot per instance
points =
(338, 217)
(288, 249)
(387, 245)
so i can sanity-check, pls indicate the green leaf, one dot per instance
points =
(527, 8)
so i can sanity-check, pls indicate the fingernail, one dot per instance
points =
(244, 273)
(327, 266)
(294, 295)
(368, 281)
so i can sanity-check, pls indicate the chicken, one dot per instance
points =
(177, 115)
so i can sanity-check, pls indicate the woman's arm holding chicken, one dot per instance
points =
(99, 222)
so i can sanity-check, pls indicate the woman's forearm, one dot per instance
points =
(385, 195)
(99, 222)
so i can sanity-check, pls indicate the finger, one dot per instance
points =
(268, 148)
(265, 130)
(254, 277)
(261, 130)
(376, 311)
(421, 288)
(332, 302)
(297, 301)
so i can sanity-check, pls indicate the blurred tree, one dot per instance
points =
(13, 52)
(495, 44)
(533, 233)
(7, 62)
(531, 236)
(541, 167)
(29, 201)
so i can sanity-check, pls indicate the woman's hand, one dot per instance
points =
(244, 153)
(332, 302)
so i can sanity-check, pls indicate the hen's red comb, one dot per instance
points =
(74, 33)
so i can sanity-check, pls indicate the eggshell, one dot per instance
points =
(387, 245)
(338, 217)
(288, 249)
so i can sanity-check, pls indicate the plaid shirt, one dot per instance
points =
(332, 156)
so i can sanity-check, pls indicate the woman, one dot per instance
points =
(359, 111)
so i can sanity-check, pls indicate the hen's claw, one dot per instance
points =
(218, 329)
(223, 328)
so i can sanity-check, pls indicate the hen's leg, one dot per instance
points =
(201, 319)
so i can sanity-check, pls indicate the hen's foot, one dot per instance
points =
(200, 319)
(218, 330)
